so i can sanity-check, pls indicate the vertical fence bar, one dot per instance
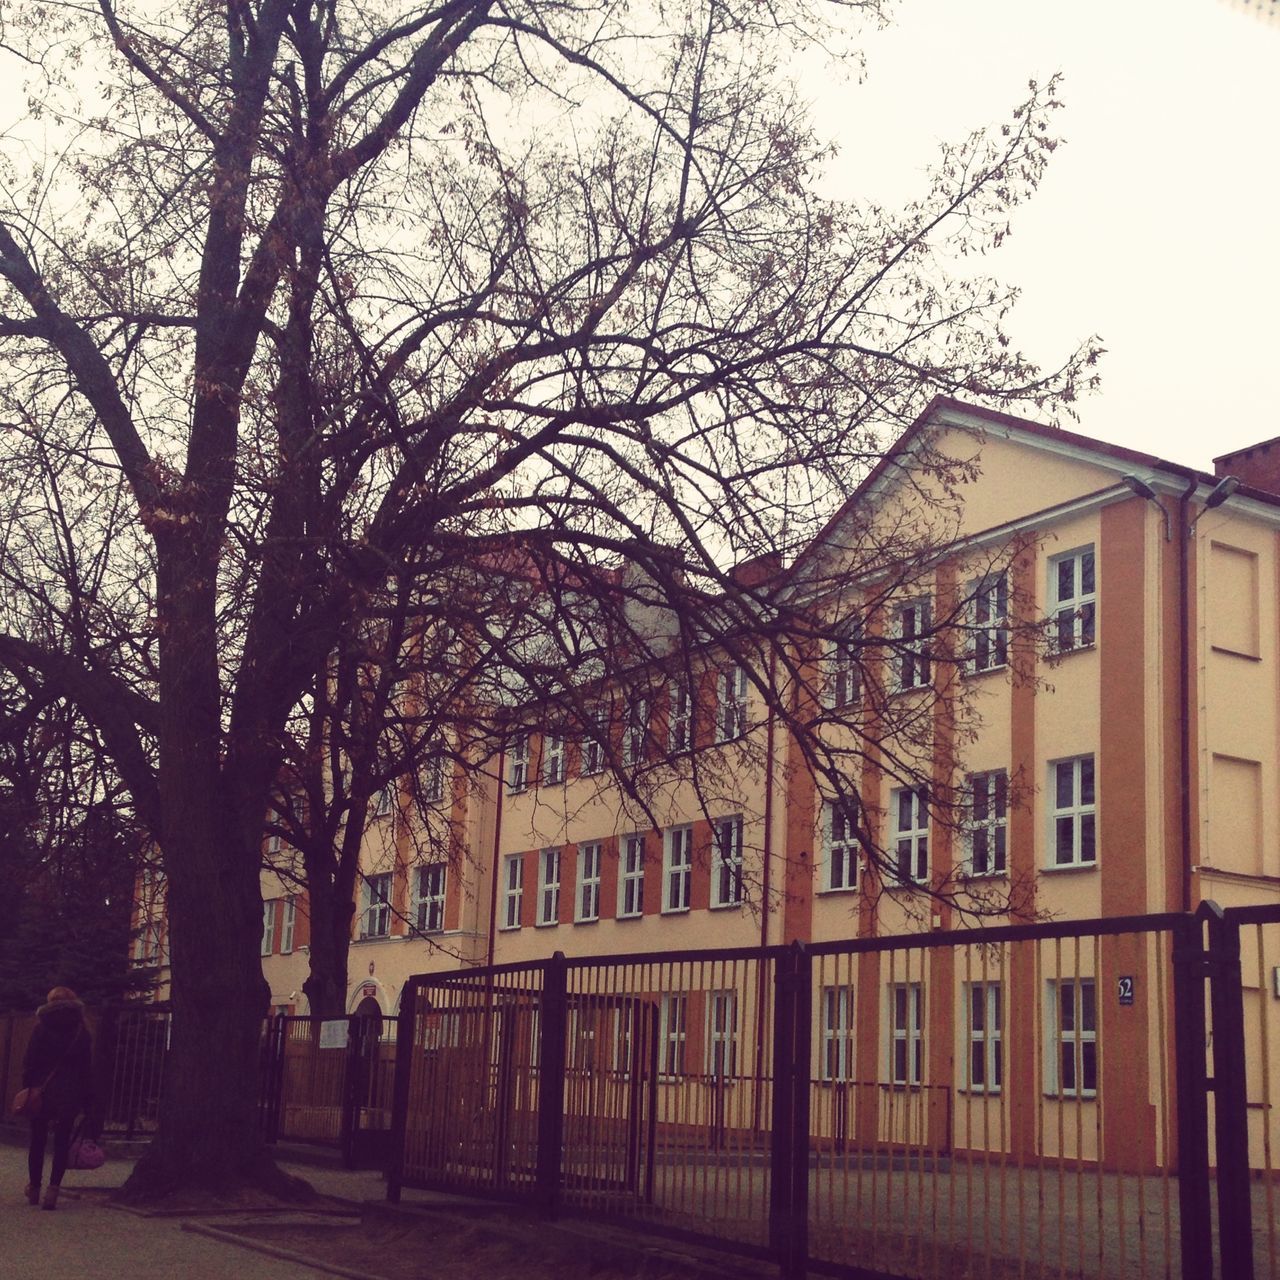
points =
(551, 1081)
(783, 1113)
(1192, 1108)
(796, 1265)
(406, 1041)
(1226, 998)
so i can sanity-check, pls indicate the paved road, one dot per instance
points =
(84, 1237)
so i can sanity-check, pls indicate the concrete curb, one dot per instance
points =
(271, 1251)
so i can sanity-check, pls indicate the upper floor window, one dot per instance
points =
(631, 877)
(593, 742)
(726, 870)
(680, 720)
(589, 857)
(518, 763)
(988, 823)
(552, 760)
(385, 801)
(1074, 813)
(840, 683)
(429, 904)
(843, 845)
(731, 703)
(549, 887)
(990, 633)
(376, 917)
(268, 927)
(635, 733)
(912, 623)
(288, 925)
(679, 868)
(512, 891)
(911, 834)
(1072, 600)
(433, 776)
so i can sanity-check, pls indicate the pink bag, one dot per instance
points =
(85, 1154)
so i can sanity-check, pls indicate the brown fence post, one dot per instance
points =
(1189, 968)
(406, 1040)
(551, 1080)
(789, 1164)
(1226, 1001)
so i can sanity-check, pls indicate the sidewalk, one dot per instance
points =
(84, 1237)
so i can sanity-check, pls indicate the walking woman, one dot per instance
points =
(59, 1061)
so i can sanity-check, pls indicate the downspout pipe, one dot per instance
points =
(497, 848)
(1184, 688)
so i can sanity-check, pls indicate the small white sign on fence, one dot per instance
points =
(333, 1034)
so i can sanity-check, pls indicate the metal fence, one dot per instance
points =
(1020, 1101)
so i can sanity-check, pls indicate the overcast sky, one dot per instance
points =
(1158, 224)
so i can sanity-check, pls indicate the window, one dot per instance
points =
(990, 624)
(673, 1019)
(518, 764)
(731, 704)
(840, 682)
(549, 887)
(984, 1015)
(385, 801)
(631, 878)
(1074, 813)
(376, 921)
(429, 904)
(1072, 1057)
(680, 720)
(1072, 600)
(837, 1033)
(268, 927)
(512, 891)
(552, 760)
(726, 872)
(988, 822)
(288, 925)
(148, 946)
(679, 869)
(911, 834)
(843, 845)
(635, 735)
(906, 1047)
(588, 882)
(593, 742)
(273, 837)
(433, 777)
(913, 659)
(582, 1039)
(722, 1034)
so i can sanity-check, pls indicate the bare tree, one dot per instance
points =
(310, 291)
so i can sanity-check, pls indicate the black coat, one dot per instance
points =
(60, 1051)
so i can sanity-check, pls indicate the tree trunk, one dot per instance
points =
(326, 984)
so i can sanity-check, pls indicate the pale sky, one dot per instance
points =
(1157, 223)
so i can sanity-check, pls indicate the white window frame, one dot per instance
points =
(1074, 614)
(906, 1034)
(837, 1033)
(677, 870)
(635, 731)
(273, 837)
(375, 919)
(912, 620)
(841, 684)
(911, 841)
(512, 890)
(288, 926)
(726, 862)
(590, 860)
(431, 879)
(731, 702)
(433, 777)
(518, 764)
(385, 801)
(631, 877)
(843, 846)
(983, 1028)
(1080, 815)
(673, 1034)
(268, 941)
(549, 862)
(680, 718)
(1060, 1039)
(553, 772)
(722, 1034)
(989, 609)
(593, 743)
(988, 834)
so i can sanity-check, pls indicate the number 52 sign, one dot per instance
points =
(1124, 988)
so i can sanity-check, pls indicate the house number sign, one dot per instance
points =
(1124, 988)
